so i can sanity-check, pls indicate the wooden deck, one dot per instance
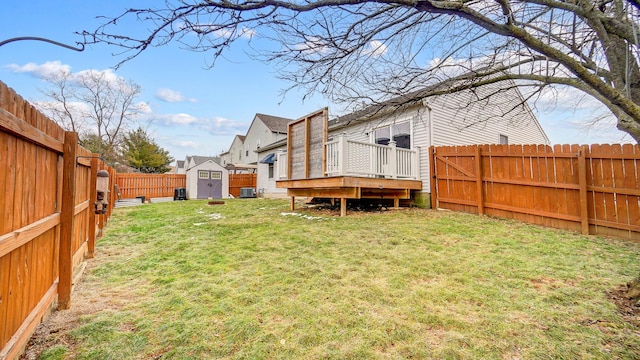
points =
(350, 187)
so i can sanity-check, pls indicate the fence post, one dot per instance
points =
(432, 177)
(91, 244)
(67, 217)
(479, 180)
(582, 179)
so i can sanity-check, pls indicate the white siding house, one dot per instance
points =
(235, 153)
(206, 178)
(450, 119)
(179, 169)
(267, 173)
(264, 130)
(418, 120)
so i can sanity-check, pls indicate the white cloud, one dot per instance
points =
(41, 71)
(175, 119)
(187, 144)
(214, 126)
(228, 33)
(171, 96)
(143, 107)
(375, 48)
(313, 45)
(221, 126)
(106, 74)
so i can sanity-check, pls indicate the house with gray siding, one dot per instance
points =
(492, 114)
(264, 130)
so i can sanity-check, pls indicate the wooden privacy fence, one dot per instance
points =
(239, 181)
(149, 185)
(592, 189)
(47, 222)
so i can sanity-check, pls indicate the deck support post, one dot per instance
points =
(293, 203)
(343, 206)
(396, 202)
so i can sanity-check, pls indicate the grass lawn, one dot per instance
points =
(249, 280)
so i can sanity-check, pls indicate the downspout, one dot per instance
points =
(429, 120)
(430, 137)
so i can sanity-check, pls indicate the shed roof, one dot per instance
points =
(197, 160)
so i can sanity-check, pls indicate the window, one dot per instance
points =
(400, 133)
(247, 153)
(504, 139)
(382, 136)
(216, 175)
(203, 174)
(271, 171)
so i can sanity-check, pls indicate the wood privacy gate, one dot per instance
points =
(591, 189)
(239, 181)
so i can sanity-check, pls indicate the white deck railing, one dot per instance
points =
(355, 158)
(283, 166)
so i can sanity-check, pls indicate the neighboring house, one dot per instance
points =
(264, 130)
(242, 158)
(267, 172)
(179, 169)
(235, 153)
(206, 178)
(415, 122)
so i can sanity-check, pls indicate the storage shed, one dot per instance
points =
(206, 178)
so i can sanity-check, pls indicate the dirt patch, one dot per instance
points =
(629, 308)
(86, 300)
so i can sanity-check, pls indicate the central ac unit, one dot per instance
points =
(247, 192)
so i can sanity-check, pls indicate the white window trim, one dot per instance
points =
(372, 134)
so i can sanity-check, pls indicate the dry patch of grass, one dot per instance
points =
(248, 280)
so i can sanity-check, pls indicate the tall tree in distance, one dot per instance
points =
(355, 51)
(98, 105)
(142, 153)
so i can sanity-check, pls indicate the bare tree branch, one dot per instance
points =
(354, 51)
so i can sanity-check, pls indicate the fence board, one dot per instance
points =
(544, 185)
(239, 181)
(5, 271)
(31, 194)
(631, 174)
(149, 185)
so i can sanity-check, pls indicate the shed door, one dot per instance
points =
(209, 184)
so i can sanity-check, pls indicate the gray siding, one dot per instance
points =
(258, 135)
(459, 119)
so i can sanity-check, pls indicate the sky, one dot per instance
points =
(193, 110)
